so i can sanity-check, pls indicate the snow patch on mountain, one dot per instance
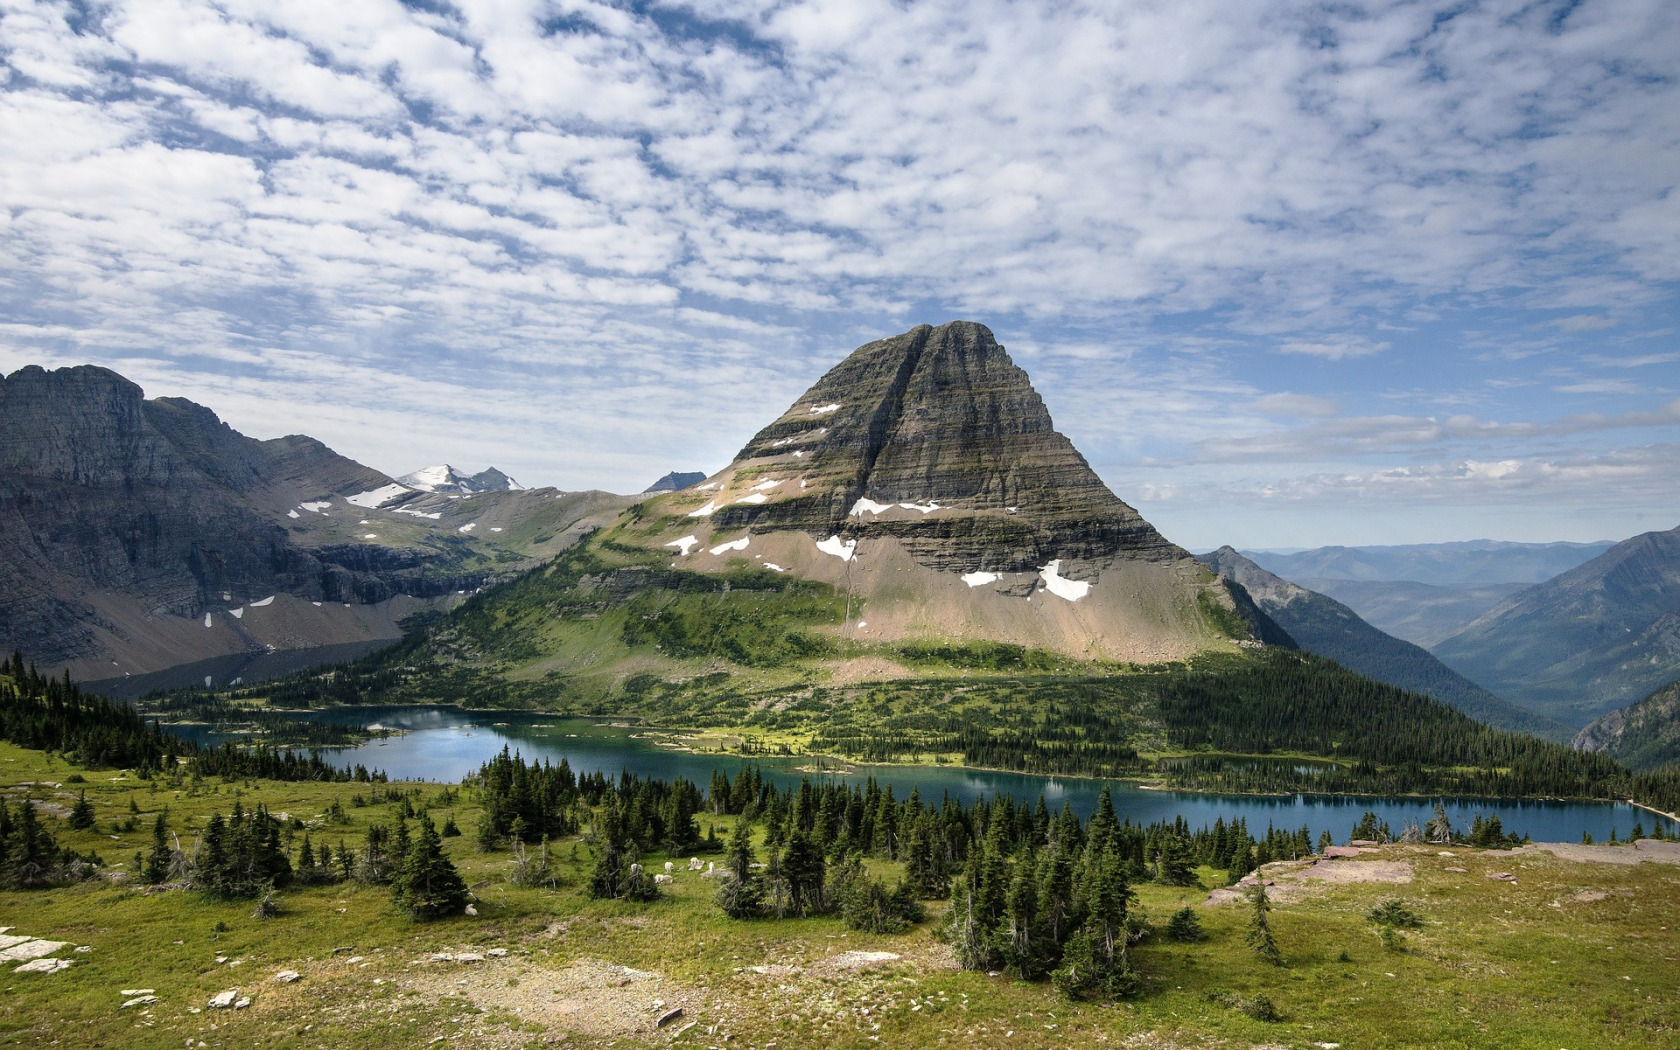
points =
(842, 549)
(1061, 587)
(687, 543)
(373, 497)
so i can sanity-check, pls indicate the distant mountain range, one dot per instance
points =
(137, 535)
(1467, 563)
(1600, 636)
(445, 478)
(1425, 592)
(1325, 626)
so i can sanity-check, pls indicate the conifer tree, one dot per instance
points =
(1055, 894)
(81, 814)
(1029, 945)
(1096, 962)
(1259, 936)
(1172, 863)
(1439, 829)
(923, 869)
(30, 854)
(427, 885)
(211, 862)
(804, 871)
(160, 863)
(742, 895)
(1184, 925)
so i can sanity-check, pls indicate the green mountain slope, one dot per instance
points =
(750, 657)
(1643, 736)
(1598, 637)
(1325, 626)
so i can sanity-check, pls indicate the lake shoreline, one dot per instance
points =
(448, 744)
(639, 726)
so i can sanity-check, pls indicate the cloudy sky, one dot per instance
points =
(1287, 273)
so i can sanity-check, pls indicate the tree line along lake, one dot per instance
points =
(445, 744)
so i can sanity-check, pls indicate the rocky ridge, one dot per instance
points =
(676, 481)
(137, 534)
(445, 478)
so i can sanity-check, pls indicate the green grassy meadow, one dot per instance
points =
(1572, 955)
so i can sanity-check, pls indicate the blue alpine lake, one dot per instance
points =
(445, 744)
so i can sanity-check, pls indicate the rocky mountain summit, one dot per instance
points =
(136, 534)
(923, 476)
(937, 439)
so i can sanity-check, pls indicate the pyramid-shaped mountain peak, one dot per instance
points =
(936, 438)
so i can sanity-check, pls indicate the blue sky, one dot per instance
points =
(1287, 273)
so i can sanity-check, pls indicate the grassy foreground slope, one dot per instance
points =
(1570, 954)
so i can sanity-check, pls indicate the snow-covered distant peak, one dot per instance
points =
(445, 478)
(441, 478)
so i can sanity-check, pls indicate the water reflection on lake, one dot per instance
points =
(444, 744)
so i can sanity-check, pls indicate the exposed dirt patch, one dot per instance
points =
(1292, 880)
(1638, 853)
(588, 997)
(869, 669)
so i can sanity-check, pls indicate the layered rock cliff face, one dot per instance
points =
(134, 532)
(923, 477)
(936, 438)
(102, 491)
